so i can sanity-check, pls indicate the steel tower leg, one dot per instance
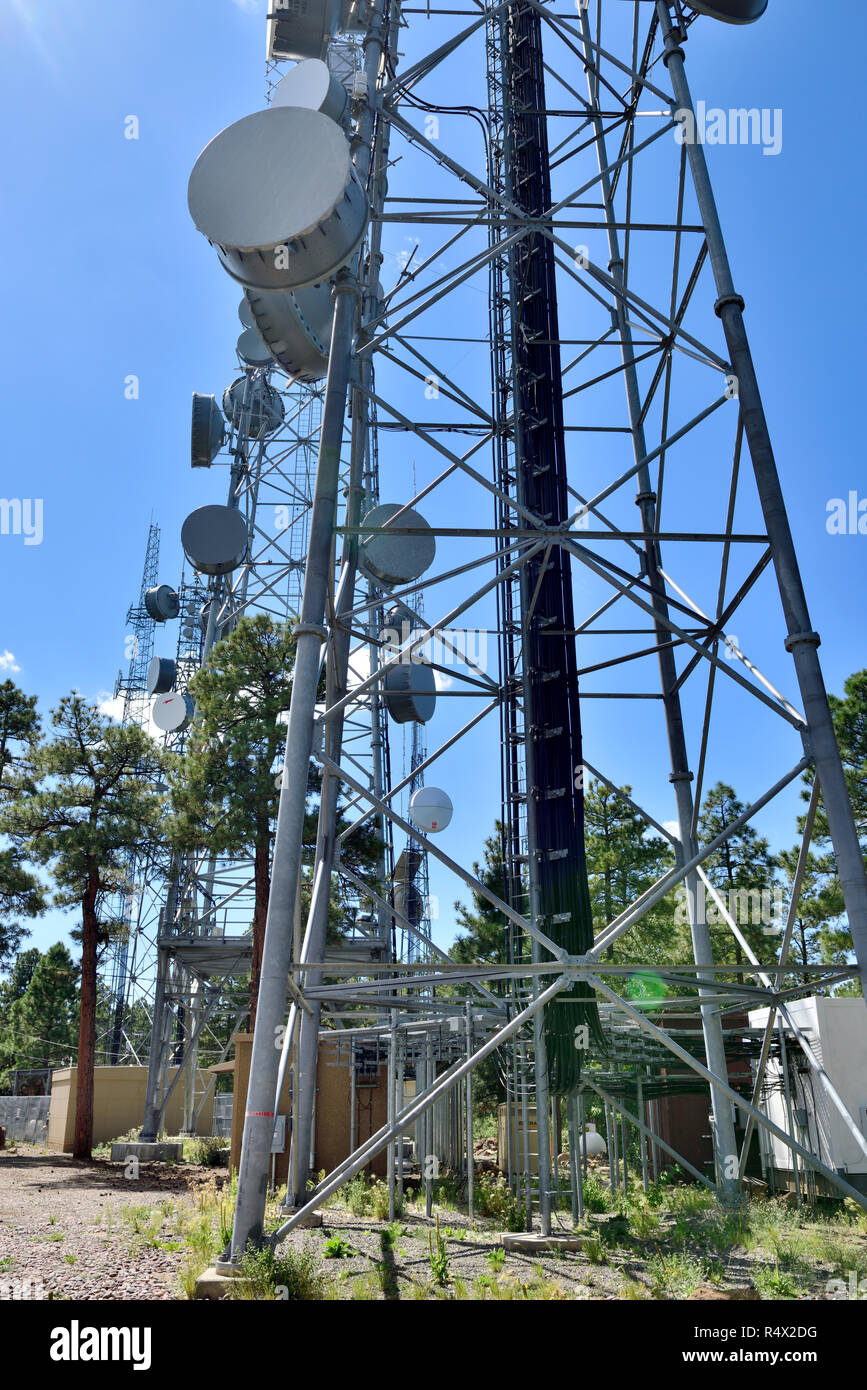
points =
(336, 689)
(801, 640)
(286, 867)
(723, 1121)
(150, 1127)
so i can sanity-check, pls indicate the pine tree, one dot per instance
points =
(623, 860)
(743, 872)
(849, 714)
(486, 928)
(223, 788)
(19, 731)
(20, 973)
(814, 938)
(95, 799)
(40, 1029)
(850, 725)
(21, 893)
(486, 938)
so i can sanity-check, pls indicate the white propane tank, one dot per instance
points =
(430, 809)
(595, 1143)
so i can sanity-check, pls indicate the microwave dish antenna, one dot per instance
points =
(207, 431)
(296, 329)
(279, 218)
(731, 11)
(312, 85)
(255, 399)
(252, 350)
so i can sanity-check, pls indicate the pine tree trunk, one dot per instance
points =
(82, 1143)
(262, 882)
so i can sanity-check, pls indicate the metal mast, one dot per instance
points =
(648, 400)
(119, 969)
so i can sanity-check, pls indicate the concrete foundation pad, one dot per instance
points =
(212, 1284)
(310, 1223)
(530, 1242)
(147, 1153)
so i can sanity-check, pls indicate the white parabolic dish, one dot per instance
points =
(310, 84)
(252, 350)
(270, 177)
(172, 713)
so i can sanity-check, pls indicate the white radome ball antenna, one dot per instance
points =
(430, 809)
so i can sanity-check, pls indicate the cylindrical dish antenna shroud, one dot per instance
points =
(215, 539)
(296, 328)
(731, 11)
(207, 433)
(409, 692)
(301, 28)
(311, 84)
(162, 603)
(278, 197)
(249, 401)
(253, 350)
(161, 675)
(396, 558)
(172, 713)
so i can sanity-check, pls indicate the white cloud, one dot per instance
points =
(7, 662)
(250, 6)
(671, 826)
(359, 667)
(112, 705)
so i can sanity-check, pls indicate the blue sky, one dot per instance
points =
(104, 276)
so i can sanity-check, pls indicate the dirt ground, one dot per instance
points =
(73, 1230)
(62, 1234)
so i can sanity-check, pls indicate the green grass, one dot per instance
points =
(206, 1150)
(597, 1197)
(690, 1201)
(776, 1283)
(676, 1275)
(292, 1276)
(367, 1197)
(595, 1249)
(537, 1287)
(644, 1224)
(485, 1126)
(495, 1199)
(438, 1255)
(393, 1232)
(337, 1248)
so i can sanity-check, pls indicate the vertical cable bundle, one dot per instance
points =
(555, 800)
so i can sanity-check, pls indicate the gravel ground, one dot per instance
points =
(468, 1251)
(62, 1230)
(63, 1235)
